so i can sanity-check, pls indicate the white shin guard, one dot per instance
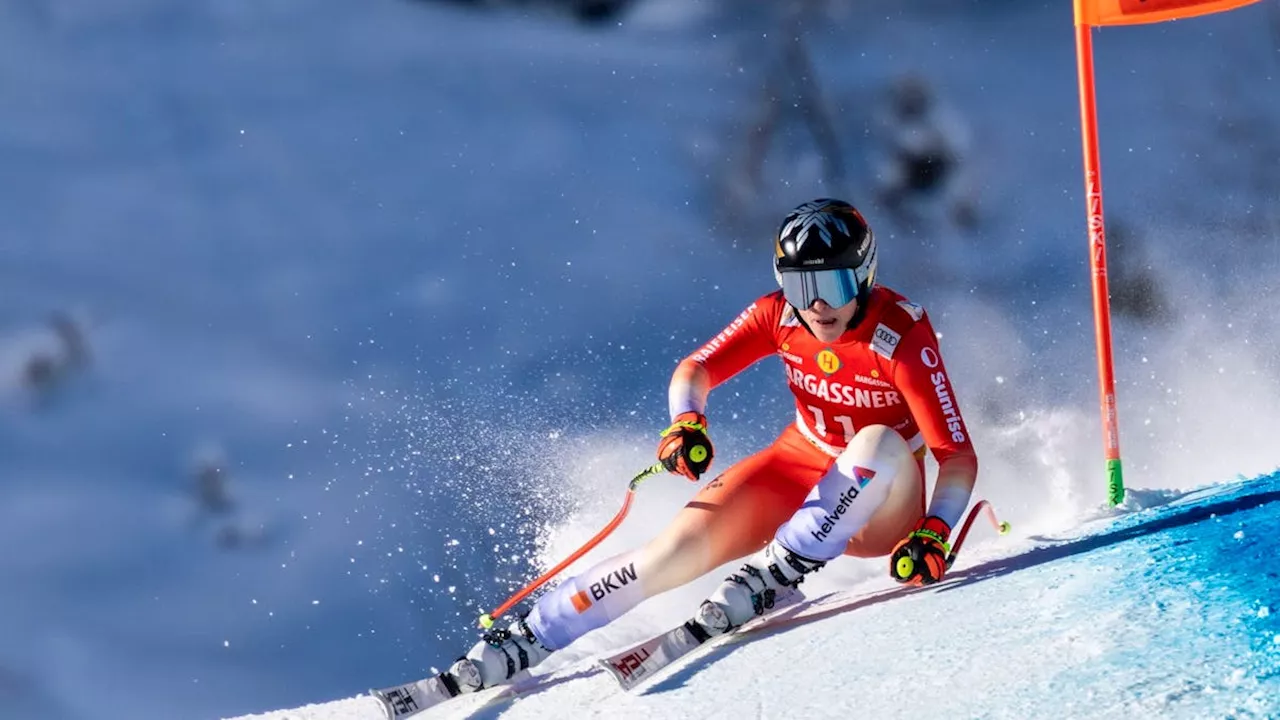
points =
(589, 600)
(848, 495)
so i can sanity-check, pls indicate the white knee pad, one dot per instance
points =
(848, 495)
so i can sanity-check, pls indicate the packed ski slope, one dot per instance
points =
(1169, 611)
(420, 276)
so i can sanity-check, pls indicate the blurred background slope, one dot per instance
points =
(323, 324)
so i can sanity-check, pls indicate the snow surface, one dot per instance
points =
(417, 276)
(1168, 611)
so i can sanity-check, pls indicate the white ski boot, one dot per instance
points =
(498, 657)
(753, 589)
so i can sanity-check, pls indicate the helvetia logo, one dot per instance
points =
(861, 476)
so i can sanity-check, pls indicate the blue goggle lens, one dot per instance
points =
(836, 288)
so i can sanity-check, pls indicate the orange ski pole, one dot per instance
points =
(486, 620)
(1001, 526)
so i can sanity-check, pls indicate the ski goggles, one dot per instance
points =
(836, 288)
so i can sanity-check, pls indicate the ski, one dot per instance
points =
(641, 663)
(408, 700)
(638, 664)
(402, 701)
(633, 666)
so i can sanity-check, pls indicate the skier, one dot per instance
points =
(847, 477)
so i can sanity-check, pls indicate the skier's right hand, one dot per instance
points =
(685, 448)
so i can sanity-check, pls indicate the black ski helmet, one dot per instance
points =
(819, 236)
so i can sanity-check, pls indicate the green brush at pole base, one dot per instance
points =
(1115, 482)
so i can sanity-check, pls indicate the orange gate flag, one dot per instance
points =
(1136, 12)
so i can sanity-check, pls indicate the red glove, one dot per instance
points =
(685, 447)
(921, 557)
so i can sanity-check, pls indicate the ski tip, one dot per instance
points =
(1005, 527)
(387, 711)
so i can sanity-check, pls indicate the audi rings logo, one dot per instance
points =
(929, 357)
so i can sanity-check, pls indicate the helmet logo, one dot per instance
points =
(811, 217)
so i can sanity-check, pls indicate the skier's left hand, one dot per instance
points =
(921, 557)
